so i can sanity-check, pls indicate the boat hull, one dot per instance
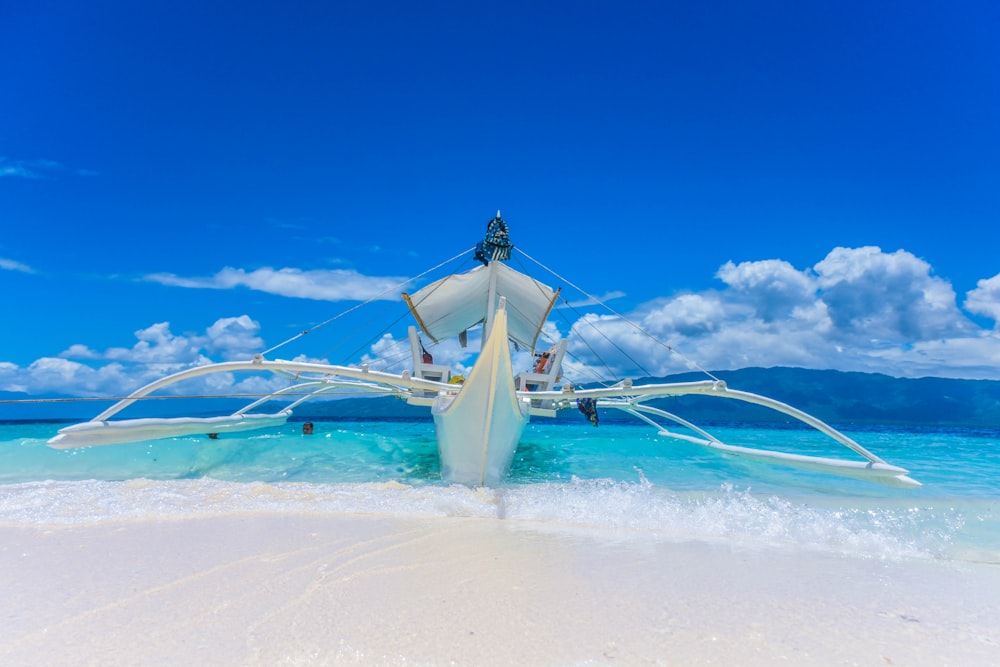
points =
(479, 427)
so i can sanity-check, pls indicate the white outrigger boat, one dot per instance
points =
(479, 419)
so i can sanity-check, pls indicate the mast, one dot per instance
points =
(495, 247)
(491, 308)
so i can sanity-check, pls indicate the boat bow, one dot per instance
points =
(478, 427)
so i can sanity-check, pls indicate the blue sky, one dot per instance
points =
(779, 183)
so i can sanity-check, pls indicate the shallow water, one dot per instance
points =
(566, 476)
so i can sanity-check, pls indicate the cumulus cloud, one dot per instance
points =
(157, 345)
(857, 309)
(774, 287)
(157, 352)
(388, 354)
(65, 376)
(985, 299)
(322, 285)
(79, 351)
(889, 296)
(685, 315)
(234, 337)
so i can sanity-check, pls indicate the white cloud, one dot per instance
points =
(17, 169)
(389, 354)
(53, 374)
(856, 309)
(234, 337)
(985, 299)
(975, 356)
(323, 285)
(37, 168)
(774, 286)
(593, 300)
(27, 168)
(157, 352)
(11, 265)
(78, 351)
(685, 315)
(12, 377)
(890, 296)
(157, 345)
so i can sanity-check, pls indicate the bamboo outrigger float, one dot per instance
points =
(479, 421)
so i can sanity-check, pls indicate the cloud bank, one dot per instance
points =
(858, 309)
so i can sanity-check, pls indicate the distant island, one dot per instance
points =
(836, 397)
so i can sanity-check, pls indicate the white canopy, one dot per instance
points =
(451, 305)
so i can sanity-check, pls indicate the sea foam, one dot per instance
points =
(616, 510)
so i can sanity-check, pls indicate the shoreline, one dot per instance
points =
(266, 589)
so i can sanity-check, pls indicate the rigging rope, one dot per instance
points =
(601, 333)
(371, 340)
(363, 303)
(327, 353)
(638, 328)
(587, 367)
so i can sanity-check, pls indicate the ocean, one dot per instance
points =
(613, 480)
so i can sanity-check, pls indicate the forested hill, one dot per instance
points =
(833, 396)
(854, 398)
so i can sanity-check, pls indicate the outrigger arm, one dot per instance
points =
(101, 431)
(629, 399)
(325, 378)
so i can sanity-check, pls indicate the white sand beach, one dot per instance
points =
(311, 589)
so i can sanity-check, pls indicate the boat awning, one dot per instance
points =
(451, 305)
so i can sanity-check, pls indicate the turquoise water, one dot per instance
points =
(614, 478)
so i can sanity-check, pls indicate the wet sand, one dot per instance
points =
(304, 589)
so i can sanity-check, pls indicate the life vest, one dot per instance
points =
(544, 360)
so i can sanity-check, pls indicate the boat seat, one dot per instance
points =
(531, 381)
(421, 369)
